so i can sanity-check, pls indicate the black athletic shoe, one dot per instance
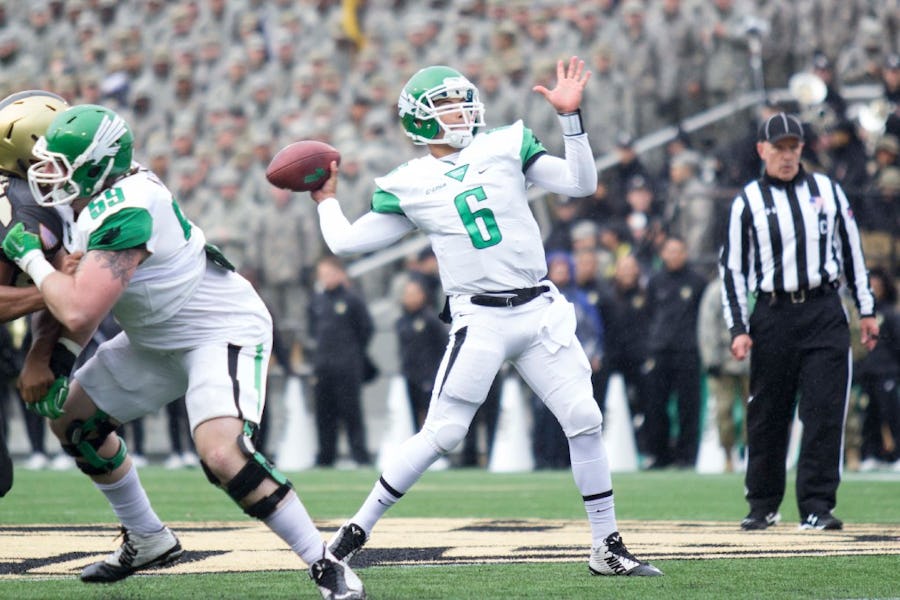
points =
(347, 541)
(613, 558)
(823, 521)
(137, 552)
(757, 522)
(336, 581)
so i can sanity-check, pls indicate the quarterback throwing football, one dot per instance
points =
(468, 194)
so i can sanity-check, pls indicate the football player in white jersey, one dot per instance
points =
(468, 194)
(191, 326)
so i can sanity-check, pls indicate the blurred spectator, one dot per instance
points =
(847, 160)
(625, 313)
(673, 305)
(727, 379)
(549, 443)
(611, 110)
(421, 340)
(676, 39)
(823, 68)
(564, 213)
(690, 211)
(282, 249)
(340, 328)
(878, 374)
(227, 217)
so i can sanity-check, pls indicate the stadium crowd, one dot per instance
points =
(212, 89)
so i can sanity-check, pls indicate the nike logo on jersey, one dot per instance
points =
(480, 171)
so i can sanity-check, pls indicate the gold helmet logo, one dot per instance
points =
(24, 117)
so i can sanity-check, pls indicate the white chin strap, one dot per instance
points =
(457, 139)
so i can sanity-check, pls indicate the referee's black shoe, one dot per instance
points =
(759, 521)
(822, 521)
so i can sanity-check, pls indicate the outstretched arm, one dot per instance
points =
(570, 82)
(576, 176)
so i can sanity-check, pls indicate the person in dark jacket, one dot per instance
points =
(878, 374)
(341, 327)
(674, 296)
(421, 340)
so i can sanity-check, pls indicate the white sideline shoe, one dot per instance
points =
(137, 552)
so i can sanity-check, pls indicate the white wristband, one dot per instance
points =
(36, 266)
(571, 123)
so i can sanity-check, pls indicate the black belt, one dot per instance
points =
(800, 296)
(509, 297)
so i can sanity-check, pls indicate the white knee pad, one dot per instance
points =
(583, 417)
(448, 436)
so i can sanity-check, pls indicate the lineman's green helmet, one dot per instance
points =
(420, 116)
(84, 147)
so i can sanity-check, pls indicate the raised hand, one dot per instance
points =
(570, 81)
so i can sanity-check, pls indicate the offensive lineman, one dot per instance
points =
(469, 196)
(191, 326)
(24, 116)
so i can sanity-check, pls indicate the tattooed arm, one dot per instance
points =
(81, 300)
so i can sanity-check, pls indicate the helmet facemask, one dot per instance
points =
(422, 115)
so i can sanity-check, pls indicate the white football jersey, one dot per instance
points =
(174, 299)
(474, 210)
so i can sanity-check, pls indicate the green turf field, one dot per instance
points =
(66, 498)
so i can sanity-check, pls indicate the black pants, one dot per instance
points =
(673, 373)
(337, 394)
(6, 464)
(800, 352)
(883, 409)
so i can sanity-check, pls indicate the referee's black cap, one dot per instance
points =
(779, 126)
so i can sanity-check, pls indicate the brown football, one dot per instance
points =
(302, 166)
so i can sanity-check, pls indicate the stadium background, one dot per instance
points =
(213, 88)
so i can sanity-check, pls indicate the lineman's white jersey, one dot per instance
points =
(477, 202)
(175, 299)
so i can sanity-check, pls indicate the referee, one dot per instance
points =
(791, 237)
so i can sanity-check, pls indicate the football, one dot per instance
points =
(302, 166)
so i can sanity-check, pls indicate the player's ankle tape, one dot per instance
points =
(571, 123)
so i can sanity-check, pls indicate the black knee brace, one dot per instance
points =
(84, 438)
(257, 470)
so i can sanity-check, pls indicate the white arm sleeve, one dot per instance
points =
(574, 176)
(371, 231)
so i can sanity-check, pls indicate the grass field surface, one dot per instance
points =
(656, 510)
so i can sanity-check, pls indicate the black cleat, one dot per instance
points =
(758, 522)
(336, 581)
(347, 541)
(613, 558)
(823, 521)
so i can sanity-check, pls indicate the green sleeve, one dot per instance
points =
(531, 148)
(128, 228)
(385, 202)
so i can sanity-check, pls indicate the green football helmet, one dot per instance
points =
(421, 117)
(24, 117)
(84, 147)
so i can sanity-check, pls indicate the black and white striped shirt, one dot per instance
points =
(785, 237)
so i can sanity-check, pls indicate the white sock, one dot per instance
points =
(590, 467)
(410, 460)
(130, 503)
(292, 524)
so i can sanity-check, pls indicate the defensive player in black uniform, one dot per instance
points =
(24, 117)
